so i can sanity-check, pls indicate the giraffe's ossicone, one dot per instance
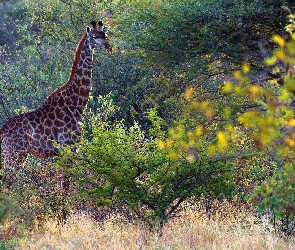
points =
(57, 120)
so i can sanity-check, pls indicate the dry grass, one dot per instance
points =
(190, 231)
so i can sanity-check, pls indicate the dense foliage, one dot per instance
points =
(185, 107)
(122, 168)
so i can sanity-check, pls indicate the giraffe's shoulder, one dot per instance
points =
(12, 124)
(14, 119)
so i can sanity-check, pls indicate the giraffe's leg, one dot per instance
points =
(61, 181)
(12, 166)
(63, 194)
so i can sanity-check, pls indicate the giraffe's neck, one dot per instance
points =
(74, 94)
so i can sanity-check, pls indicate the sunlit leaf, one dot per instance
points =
(246, 68)
(222, 140)
(279, 40)
(187, 95)
(199, 130)
(270, 61)
(160, 144)
(291, 122)
(227, 87)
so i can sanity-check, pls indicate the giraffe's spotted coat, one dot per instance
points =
(58, 118)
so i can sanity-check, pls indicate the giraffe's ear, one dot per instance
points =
(93, 23)
(88, 29)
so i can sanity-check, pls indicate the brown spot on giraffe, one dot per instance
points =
(58, 118)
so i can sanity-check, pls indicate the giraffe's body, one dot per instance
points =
(57, 120)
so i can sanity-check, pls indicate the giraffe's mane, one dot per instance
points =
(73, 70)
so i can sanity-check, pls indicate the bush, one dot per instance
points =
(123, 168)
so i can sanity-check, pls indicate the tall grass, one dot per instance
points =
(190, 231)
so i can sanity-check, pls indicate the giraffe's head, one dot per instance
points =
(98, 36)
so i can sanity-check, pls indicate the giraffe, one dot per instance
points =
(57, 120)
